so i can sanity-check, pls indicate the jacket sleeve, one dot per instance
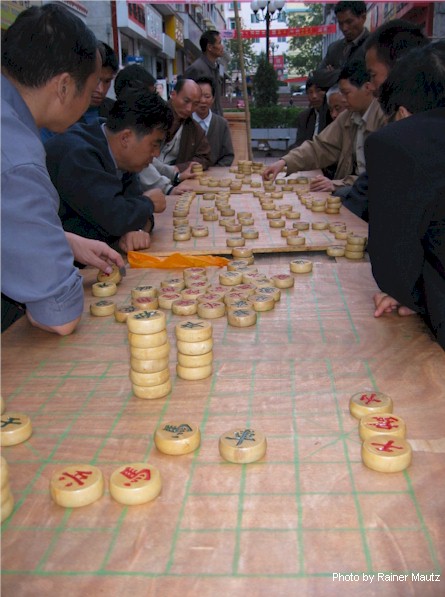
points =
(320, 152)
(112, 206)
(201, 149)
(151, 178)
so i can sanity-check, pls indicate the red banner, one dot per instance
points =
(289, 32)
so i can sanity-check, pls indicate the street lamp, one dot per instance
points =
(270, 11)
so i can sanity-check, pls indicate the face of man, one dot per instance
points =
(138, 152)
(206, 102)
(105, 79)
(185, 102)
(377, 70)
(315, 96)
(215, 50)
(358, 99)
(337, 104)
(77, 102)
(350, 25)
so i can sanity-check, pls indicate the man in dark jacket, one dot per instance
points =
(314, 119)
(207, 64)
(93, 168)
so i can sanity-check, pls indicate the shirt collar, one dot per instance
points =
(102, 126)
(207, 120)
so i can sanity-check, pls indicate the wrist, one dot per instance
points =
(177, 178)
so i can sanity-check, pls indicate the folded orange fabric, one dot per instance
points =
(173, 261)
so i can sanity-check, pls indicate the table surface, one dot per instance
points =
(281, 526)
(270, 239)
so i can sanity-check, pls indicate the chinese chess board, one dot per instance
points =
(269, 240)
(280, 526)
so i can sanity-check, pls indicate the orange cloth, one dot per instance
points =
(173, 261)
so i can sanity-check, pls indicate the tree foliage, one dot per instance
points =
(250, 57)
(305, 52)
(265, 84)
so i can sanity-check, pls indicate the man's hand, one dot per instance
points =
(270, 173)
(321, 183)
(386, 304)
(182, 188)
(158, 199)
(94, 253)
(187, 173)
(134, 241)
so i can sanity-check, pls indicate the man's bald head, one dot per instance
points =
(185, 97)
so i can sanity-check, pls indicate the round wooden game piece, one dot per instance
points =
(2, 405)
(246, 288)
(296, 241)
(180, 222)
(176, 438)
(210, 217)
(386, 453)
(272, 291)
(102, 308)
(146, 322)
(285, 232)
(244, 214)
(104, 289)
(149, 291)
(246, 221)
(4, 473)
(318, 208)
(233, 228)
(195, 347)
(147, 354)
(381, 424)
(241, 317)
(166, 299)
(211, 310)
(193, 330)
(185, 307)
(208, 196)
(292, 215)
(300, 266)
(15, 429)
(238, 304)
(354, 248)
(152, 392)
(242, 252)
(233, 266)
(341, 234)
(114, 277)
(365, 403)
(7, 507)
(145, 303)
(150, 366)
(202, 285)
(227, 211)
(181, 236)
(210, 297)
(200, 231)
(231, 278)
(335, 251)
(76, 485)
(354, 255)
(319, 225)
(262, 303)
(200, 360)
(149, 379)
(147, 340)
(274, 215)
(173, 284)
(277, 195)
(355, 239)
(332, 210)
(123, 311)
(301, 225)
(242, 446)
(235, 241)
(192, 293)
(195, 271)
(277, 223)
(135, 483)
(283, 280)
(194, 373)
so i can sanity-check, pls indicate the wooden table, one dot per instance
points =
(270, 239)
(281, 526)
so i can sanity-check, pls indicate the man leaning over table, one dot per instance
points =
(94, 169)
(341, 142)
(50, 67)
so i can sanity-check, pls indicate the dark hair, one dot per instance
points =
(139, 110)
(356, 72)
(357, 8)
(206, 81)
(417, 81)
(310, 82)
(45, 41)
(208, 37)
(394, 38)
(133, 75)
(180, 83)
(109, 58)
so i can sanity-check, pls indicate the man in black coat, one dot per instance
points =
(406, 169)
(314, 119)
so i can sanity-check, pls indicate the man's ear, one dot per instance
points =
(63, 83)
(125, 137)
(402, 113)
